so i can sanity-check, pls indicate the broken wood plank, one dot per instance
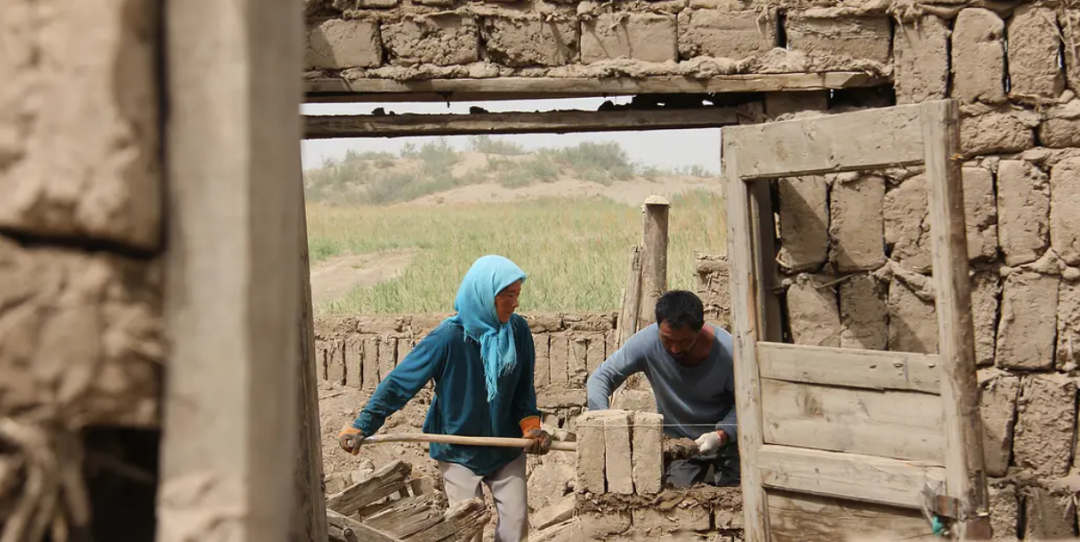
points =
(854, 368)
(379, 506)
(385, 481)
(344, 529)
(810, 518)
(382, 90)
(876, 138)
(896, 424)
(964, 461)
(463, 521)
(653, 258)
(628, 317)
(539, 122)
(858, 477)
(407, 516)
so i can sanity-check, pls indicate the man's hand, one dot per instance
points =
(711, 441)
(350, 438)
(541, 442)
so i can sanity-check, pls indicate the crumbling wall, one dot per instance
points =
(81, 225)
(854, 249)
(448, 39)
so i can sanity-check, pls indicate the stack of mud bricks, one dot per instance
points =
(359, 352)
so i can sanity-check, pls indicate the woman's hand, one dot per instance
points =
(541, 442)
(350, 439)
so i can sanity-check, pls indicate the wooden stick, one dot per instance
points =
(653, 259)
(467, 441)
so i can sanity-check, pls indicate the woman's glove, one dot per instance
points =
(541, 442)
(350, 439)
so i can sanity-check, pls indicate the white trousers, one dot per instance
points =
(508, 489)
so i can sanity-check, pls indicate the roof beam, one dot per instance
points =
(510, 88)
(541, 122)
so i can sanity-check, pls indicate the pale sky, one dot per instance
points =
(662, 148)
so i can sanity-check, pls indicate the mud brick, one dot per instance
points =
(443, 40)
(997, 405)
(907, 224)
(542, 371)
(1023, 211)
(856, 38)
(1048, 515)
(998, 131)
(648, 452)
(335, 362)
(595, 353)
(387, 356)
(371, 363)
(857, 225)
(921, 49)
(814, 318)
(1004, 511)
(980, 213)
(354, 362)
(863, 313)
(978, 56)
(1068, 326)
(560, 361)
(1025, 335)
(1034, 46)
(589, 427)
(578, 367)
(804, 223)
(338, 44)
(321, 348)
(618, 462)
(649, 37)
(525, 42)
(725, 34)
(404, 348)
(985, 290)
(1064, 206)
(912, 321)
(1044, 434)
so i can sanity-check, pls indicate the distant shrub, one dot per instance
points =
(484, 144)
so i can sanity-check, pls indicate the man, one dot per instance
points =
(689, 365)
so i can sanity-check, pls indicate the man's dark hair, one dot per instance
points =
(680, 308)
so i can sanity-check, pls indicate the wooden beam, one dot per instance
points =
(848, 367)
(809, 518)
(744, 311)
(385, 481)
(309, 514)
(345, 529)
(628, 316)
(383, 90)
(231, 271)
(539, 122)
(653, 258)
(875, 138)
(896, 424)
(852, 476)
(966, 478)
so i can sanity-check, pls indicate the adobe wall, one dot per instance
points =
(81, 193)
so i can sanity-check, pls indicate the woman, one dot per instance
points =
(482, 362)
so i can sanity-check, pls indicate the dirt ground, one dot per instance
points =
(333, 278)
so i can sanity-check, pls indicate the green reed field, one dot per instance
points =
(575, 252)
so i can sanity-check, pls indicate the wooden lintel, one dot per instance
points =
(540, 122)
(383, 90)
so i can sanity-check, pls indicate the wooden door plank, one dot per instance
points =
(810, 518)
(853, 476)
(966, 475)
(876, 138)
(745, 323)
(766, 272)
(895, 424)
(849, 367)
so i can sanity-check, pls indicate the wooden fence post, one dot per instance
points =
(654, 258)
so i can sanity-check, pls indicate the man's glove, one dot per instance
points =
(541, 442)
(350, 438)
(711, 442)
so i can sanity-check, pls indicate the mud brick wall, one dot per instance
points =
(855, 248)
(446, 39)
(81, 217)
(360, 351)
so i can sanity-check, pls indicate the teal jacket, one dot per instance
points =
(460, 406)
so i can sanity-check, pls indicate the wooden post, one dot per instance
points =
(654, 258)
(232, 282)
(965, 474)
(309, 514)
(745, 323)
(628, 317)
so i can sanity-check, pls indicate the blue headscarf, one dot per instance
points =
(475, 306)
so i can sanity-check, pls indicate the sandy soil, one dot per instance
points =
(335, 277)
(631, 192)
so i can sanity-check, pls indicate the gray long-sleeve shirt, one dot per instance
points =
(693, 400)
